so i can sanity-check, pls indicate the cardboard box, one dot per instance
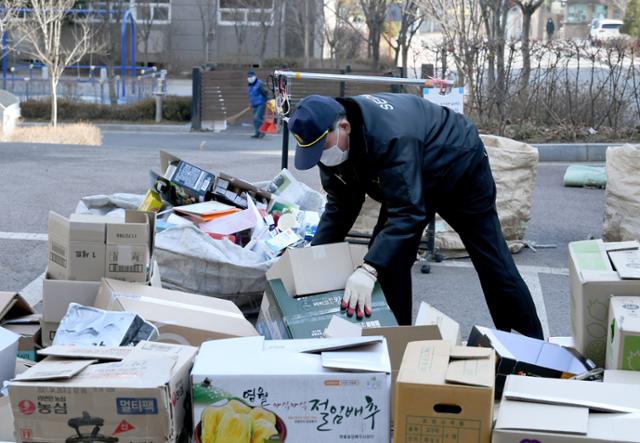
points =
(619, 376)
(6, 420)
(180, 317)
(567, 411)
(593, 281)
(449, 328)
(17, 316)
(317, 269)
(518, 354)
(130, 247)
(56, 296)
(142, 398)
(623, 336)
(282, 316)
(194, 180)
(8, 354)
(235, 191)
(314, 390)
(76, 247)
(444, 393)
(289, 311)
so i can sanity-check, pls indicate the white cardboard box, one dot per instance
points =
(566, 411)
(8, 354)
(593, 281)
(313, 390)
(623, 334)
(142, 398)
(76, 247)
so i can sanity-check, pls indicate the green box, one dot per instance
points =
(284, 317)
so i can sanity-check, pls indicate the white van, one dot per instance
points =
(605, 29)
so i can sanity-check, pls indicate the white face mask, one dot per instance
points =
(334, 156)
(251, 79)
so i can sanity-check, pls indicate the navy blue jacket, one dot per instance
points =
(401, 148)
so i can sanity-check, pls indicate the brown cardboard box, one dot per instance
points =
(129, 247)
(444, 393)
(179, 316)
(567, 411)
(593, 281)
(336, 261)
(17, 316)
(142, 398)
(76, 247)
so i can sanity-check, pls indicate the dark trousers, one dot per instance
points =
(468, 206)
(258, 117)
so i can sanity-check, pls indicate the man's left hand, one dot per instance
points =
(357, 294)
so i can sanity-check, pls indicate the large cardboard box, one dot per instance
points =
(130, 247)
(143, 396)
(623, 336)
(180, 317)
(17, 316)
(518, 354)
(313, 390)
(567, 411)
(76, 247)
(444, 393)
(593, 280)
(304, 290)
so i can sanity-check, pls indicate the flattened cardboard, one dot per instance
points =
(593, 281)
(619, 376)
(87, 352)
(517, 354)
(253, 375)
(449, 328)
(558, 411)
(17, 316)
(623, 335)
(443, 390)
(52, 368)
(180, 317)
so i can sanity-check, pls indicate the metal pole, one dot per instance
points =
(358, 78)
(285, 144)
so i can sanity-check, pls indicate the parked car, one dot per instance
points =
(605, 29)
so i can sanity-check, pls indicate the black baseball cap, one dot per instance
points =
(312, 120)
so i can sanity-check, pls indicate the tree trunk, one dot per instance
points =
(146, 51)
(113, 94)
(375, 48)
(54, 99)
(405, 57)
(526, 50)
(306, 20)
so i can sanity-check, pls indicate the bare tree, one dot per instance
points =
(208, 17)
(528, 8)
(374, 12)
(145, 18)
(411, 17)
(40, 32)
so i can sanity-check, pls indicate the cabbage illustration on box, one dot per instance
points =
(251, 390)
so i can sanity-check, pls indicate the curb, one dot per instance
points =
(573, 152)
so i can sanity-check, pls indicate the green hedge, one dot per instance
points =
(174, 108)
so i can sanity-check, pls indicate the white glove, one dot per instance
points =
(357, 294)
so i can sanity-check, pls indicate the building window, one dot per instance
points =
(245, 12)
(600, 11)
(156, 12)
(577, 14)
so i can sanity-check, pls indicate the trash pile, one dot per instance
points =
(116, 357)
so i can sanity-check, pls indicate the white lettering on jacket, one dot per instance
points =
(382, 103)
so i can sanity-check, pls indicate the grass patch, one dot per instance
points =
(74, 134)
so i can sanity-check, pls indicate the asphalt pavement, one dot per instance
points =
(39, 178)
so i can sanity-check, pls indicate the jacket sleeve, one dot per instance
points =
(340, 212)
(401, 182)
